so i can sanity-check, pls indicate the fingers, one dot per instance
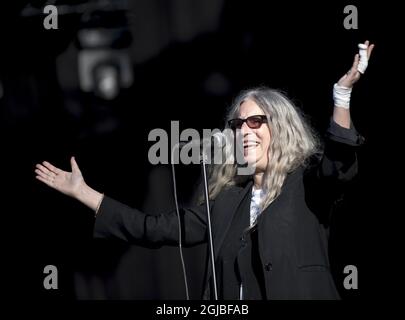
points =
(51, 167)
(369, 50)
(45, 175)
(364, 50)
(47, 180)
(44, 171)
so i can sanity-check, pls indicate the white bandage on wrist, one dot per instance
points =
(341, 96)
(363, 63)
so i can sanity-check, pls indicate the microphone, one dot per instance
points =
(191, 152)
(217, 139)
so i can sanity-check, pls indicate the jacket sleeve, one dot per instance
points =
(339, 161)
(327, 176)
(117, 220)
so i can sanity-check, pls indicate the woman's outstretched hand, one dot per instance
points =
(353, 75)
(68, 183)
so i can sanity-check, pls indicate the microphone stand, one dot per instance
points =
(203, 161)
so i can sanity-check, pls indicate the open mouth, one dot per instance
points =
(248, 145)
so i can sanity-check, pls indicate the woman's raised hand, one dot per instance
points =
(353, 75)
(68, 183)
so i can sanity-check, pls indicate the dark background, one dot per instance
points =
(188, 60)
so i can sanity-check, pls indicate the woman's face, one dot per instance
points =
(256, 142)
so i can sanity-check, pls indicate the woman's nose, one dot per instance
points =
(245, 129)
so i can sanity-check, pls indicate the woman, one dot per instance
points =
(269, 229)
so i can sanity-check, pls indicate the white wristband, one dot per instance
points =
(363, 63)
(341, 96)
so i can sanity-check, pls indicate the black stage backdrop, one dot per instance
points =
(187, 60)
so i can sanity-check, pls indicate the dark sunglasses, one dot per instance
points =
(253, 122)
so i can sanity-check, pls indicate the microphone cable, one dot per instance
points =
(179, 222)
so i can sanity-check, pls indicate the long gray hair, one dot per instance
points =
(293, 141)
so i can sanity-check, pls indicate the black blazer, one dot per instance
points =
(292, 229)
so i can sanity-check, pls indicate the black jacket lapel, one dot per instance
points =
(230, 206)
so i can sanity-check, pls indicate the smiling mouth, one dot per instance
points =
(250, 145)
